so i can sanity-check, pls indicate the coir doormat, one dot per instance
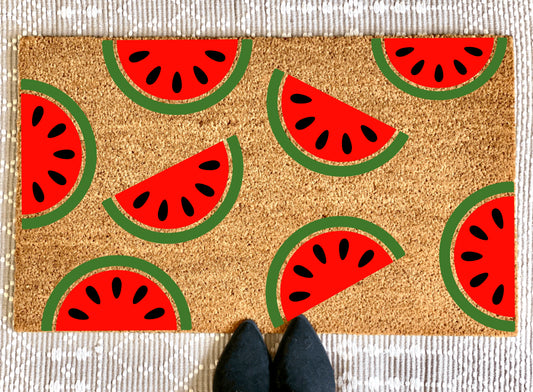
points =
(183, 184)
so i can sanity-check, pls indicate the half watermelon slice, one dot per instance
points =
(116, 293)
(324, 134)
(477, 256)
(58, 154)
(177, 76)
(439, 68)
(322, 259)
(184, 201)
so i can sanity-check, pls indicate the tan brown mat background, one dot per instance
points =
(455, 148)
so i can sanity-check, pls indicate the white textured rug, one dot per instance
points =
(185, 362)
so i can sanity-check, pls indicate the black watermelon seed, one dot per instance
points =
(92, 294)
(153, 75)
(300, 98)
(176, 82)
(141, 199)
(439, 74)
(210, 165)
(139, 294)
(215, 55)
(473, 51)
(319, 253)
(478, 232)
(64, 154)
(205, 190)
(366, 258)
(57, 177)
(302, 271)
(37, 115)
(304, 123)
(369, 133)
(187, 206)
(497, 217)
(471, 256)
(138, 56)
(162, 213)
(77, 314)
(344, 246)
(404, 51)
(346, 144)
(154, 314)
(37, 192)
(460, 67)
(497, 297)
(322, 140)
(298, 296)
(478, 279)
(116, 287)
(200, 75)
(57, 130)
(417, 67)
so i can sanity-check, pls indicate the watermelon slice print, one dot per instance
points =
(324, 134)
(116, 293)
(439, 68)
(177, 76)
(58, 154)
(477, 256)
(322, 259)
(184, 201)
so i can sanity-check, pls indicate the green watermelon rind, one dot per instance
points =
(320, 167)
(298, 236)
(196, 231)
(47, 323)
(395, 79)
(446, 256)
(177, 108)
(29, 85)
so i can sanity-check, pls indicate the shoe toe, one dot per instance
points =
(301, 363)
(244, 365)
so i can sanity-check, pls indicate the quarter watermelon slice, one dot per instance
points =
(322, 259)
(184, 201)
(116, 293)
(439, 68)
(477, 256)
(177, 76)
(324, 134)
(58, 154)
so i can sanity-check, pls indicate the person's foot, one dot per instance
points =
(244, 365)
(301, 363)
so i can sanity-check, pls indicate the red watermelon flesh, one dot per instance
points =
(325, 265)
(182, 194)
(51, 153)
(439, 62)
(328, 128)
(116, 300)
(177, 69)
(484, 256)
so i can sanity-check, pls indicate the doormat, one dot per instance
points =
(188, 184)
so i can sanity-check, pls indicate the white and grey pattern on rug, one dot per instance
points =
(181, 362)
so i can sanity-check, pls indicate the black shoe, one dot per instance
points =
(301, 363)
(244, 365)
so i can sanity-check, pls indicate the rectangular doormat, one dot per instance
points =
(188, 184)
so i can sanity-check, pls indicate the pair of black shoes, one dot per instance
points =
(300, 365)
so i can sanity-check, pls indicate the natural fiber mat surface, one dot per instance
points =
(187, 185)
